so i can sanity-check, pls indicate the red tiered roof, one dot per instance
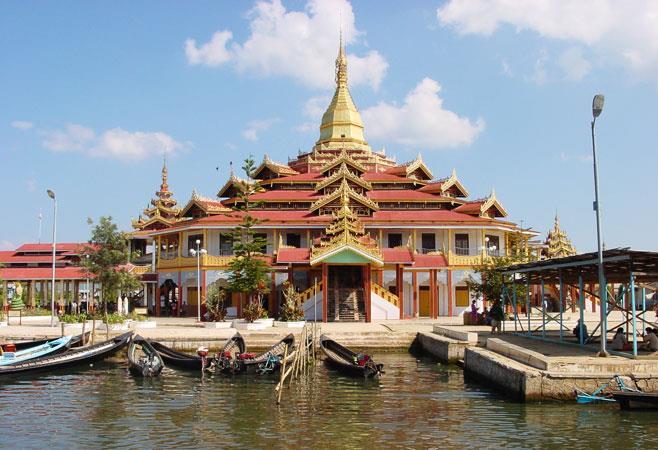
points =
(42, 273)
(39, 248)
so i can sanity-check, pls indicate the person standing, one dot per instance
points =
(497, 316)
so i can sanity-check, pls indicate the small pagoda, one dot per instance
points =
(557, 243)
(163, 211)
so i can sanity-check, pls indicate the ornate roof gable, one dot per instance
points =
(345, 238)
(344, 191)
(343, 158)
(558, 243)
(343, 173)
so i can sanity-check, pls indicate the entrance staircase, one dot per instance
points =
(346, 305)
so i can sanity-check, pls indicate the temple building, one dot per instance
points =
(361, 236)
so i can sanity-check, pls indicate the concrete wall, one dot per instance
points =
(383, 310)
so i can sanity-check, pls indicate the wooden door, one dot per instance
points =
(191, 302)
(461, 296)
(424, 301)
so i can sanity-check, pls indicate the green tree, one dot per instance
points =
(249, 272)
(105, 257)
(489, 283)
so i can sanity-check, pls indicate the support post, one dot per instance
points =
(414, 282)
(399, 282)
(449, 273)
(644, 299)
(366, 292)
(514, 302)
(528, 306)
(561, 307)
(632, 300)
(325, 291)
(543, 311)
(581, 305)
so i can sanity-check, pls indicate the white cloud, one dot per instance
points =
(115, 143)
(312, 111)
(256, 126)
(230, 146)
(7, 245)
(74, 138)
(622, 32)
(421, 122)
(212, 53)
(297, 44)
(22, 125)
(133, 146)
(574, 64)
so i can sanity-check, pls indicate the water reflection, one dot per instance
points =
(416, 404)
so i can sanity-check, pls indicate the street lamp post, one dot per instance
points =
(198, 252)
(597, 107)
(51, 194)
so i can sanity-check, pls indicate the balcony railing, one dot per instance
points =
(463, 251)
(425, 251)
(493, 252)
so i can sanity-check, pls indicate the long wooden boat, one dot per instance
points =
(268, 361)
(143, 359)
(636, 399)
(48, 348)
(22, 345)
(348, 361)
(226, 360)
(177, 359)
(78, 356)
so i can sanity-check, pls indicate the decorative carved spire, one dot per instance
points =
(557, 242)
(163, 206)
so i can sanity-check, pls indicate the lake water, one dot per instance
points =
(417, 404)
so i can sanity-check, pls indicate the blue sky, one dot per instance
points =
(93, 94)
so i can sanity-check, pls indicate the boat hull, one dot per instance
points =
(636, 400)
(345, 360)
(78, 356)
(150, 364)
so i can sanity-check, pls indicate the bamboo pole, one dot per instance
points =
(283, 374)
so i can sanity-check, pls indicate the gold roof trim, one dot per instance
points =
(344, 173)
(344, 190)
(276, 167)
(492, 201)
(343, 157)
(451, 181)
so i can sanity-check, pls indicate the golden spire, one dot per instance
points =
(164, 187)
(341, 125)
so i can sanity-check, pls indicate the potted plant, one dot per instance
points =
(292, 313)
(216, 307)
(251, 314)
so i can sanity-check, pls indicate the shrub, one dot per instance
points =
(215, 303)
(114, 318)
(253, 311)
(291, 309)
(73, 318)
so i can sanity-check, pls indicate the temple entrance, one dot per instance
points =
(345, 295)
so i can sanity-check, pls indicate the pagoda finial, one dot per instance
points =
(341, 63)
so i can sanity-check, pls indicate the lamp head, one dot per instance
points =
(51, 193)
(198, 242)
(203, 251)
(597, 105)
(192, 252)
